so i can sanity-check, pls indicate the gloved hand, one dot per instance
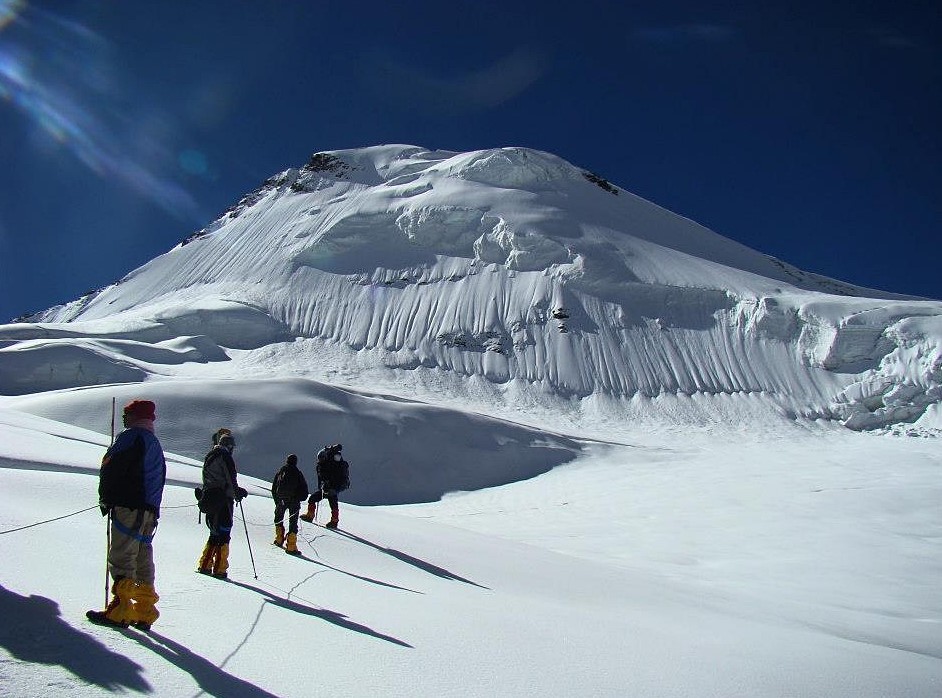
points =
(241, 494)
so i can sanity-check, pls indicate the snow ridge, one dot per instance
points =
(508, 265)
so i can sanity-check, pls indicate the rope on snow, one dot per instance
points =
(40, 523)
(80, 511)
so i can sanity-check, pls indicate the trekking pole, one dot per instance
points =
(107, 552)
(246, 526)
(317, 505)
(108, 518)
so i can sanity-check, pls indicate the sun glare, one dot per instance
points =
(75, 110)
(8, 11)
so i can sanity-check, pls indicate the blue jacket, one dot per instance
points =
(133, 471)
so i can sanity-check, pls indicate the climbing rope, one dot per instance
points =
(82, 511)
(40, 523)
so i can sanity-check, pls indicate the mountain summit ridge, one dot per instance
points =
(513, 266)
(407, 172)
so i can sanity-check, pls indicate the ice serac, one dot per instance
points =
(493, 273)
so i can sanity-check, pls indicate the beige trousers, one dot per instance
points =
(131, 553)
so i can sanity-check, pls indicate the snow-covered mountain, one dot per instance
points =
(488, 277)
(600, 450)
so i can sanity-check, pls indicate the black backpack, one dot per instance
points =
(342, 481)
(334, 473)
(121, 482)
(277, 485)
(285, 484)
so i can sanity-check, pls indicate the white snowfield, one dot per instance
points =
(596, 450)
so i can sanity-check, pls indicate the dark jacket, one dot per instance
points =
(289, 484)
(333, 473)
(219, 473)
(133, 472)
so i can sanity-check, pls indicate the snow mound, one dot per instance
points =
(400, 451)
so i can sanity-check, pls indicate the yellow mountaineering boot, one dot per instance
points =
(291, 546)
(145, 610)
(221, 567)
(279, 535)
(119, 612)
(205, 565)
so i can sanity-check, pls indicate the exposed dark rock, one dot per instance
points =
(601, 182)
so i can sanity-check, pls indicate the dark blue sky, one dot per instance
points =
(809, 131)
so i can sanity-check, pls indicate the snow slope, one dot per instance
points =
(645, 570)
(396, 264)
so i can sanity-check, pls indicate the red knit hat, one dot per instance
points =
(141, 409)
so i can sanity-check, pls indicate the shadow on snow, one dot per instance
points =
(410, 560)
(337, 619)
(34, 631)
(368, 580)
(211, 679)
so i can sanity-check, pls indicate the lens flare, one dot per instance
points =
(9, 10)
(56, 72)
(193, 162)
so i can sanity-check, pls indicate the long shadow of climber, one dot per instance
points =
(357, 576)
(211, 679)
(409, 559)
(33, 631)
(337, 619)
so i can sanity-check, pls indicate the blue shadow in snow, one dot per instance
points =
(356, 576)
(337, 619)
(409, 559)
(34, 631)
(211, 679)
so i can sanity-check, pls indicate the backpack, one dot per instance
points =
(342, 476)
(284, 486)
(334, 473)
(208, 501)
(121, 482)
